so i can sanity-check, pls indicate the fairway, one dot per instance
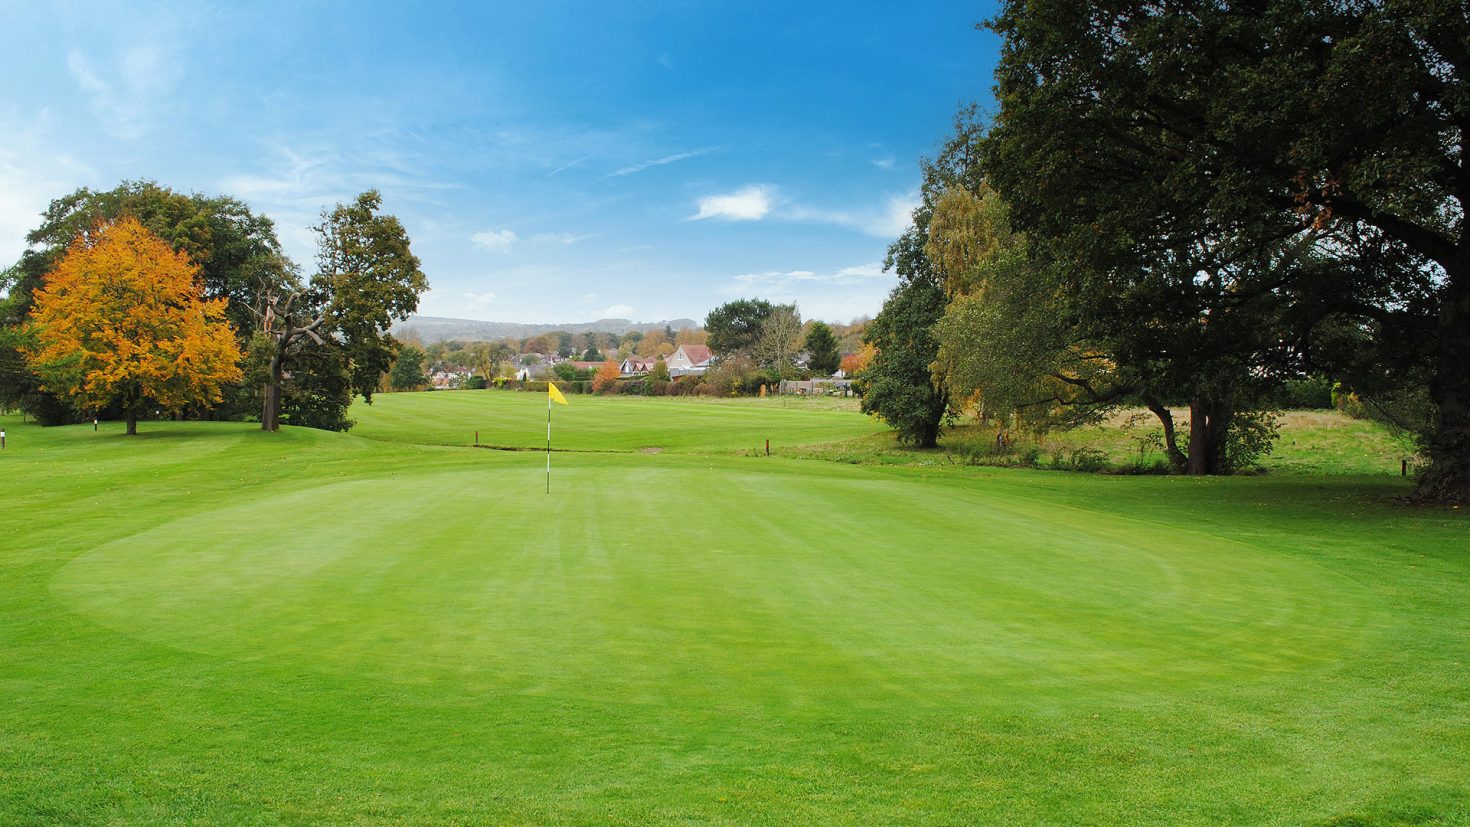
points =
(697, 424)
(208, 623)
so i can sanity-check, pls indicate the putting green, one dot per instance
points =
(731, 589)
(210, 624)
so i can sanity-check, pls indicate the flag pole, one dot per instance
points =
(548, 443)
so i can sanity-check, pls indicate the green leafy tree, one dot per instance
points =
(367, 279)
(1127, 132)
(822, 350)
(660, 372)
(899, 387)
(735, 327)
(407, 372)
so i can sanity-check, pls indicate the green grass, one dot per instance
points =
(1310, 442)
(514, 419)
(208, 624)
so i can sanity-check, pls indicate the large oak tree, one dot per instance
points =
(1129, 130)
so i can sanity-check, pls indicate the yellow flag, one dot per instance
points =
(555, 394)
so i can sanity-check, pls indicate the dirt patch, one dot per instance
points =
(650, 450)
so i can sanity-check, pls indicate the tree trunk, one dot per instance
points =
(1209, 424)
(1448, 477)
(1177, 459)
(132, 422)
(270, 412)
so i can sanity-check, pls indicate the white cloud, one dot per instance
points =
(856, 275)
(886, 221)
(883, 163)
(836, 295)
(616, 311)
(749, 204)
(480, 299)
(496, 241)
(667, 159)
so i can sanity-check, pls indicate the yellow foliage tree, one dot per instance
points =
(122, 320)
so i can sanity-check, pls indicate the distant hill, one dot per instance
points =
(436, 329)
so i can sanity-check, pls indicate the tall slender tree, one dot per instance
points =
(367, 278)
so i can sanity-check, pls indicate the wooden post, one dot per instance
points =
(1403, 467)
(768, 447)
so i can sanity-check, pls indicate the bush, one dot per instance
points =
(737, 376)
(1086, 460)
(1251, 436)
(1311, 393)
(564, 387)
(475, 383)
(986, 452)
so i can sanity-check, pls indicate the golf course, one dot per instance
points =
(207, 623)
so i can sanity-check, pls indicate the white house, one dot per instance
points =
(689, 360)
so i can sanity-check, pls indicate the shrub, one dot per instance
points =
(1086, 460)
(1314, 392)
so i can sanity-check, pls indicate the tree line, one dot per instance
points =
(141, 299)
(1189, 205)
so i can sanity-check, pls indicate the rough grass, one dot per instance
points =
(1310, 442)
(208, 624)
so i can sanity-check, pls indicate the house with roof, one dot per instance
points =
(637, 365)
(689, 360)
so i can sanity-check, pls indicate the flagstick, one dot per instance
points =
(548, 443)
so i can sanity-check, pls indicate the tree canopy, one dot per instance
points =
(1304, 159)
(899, 386)
(237, 253)
(367, 278)
(821, 346)
(735, 327)
(121, 320)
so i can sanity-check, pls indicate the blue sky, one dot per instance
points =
(553, 162)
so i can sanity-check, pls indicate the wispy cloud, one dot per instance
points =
(616, 311)
(496, 241)
(667, 159)
(122, 96)
(749, 204)
(883, 163)
(859, 274)
(32, 173)
(480, 300)
(558, 238)
(845, 293)
(888, 220)
(567, 166)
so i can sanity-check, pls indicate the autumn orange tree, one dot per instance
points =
(606, 377)
(121, 321)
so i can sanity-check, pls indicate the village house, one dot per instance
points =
(689, 360)
(637, 365)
